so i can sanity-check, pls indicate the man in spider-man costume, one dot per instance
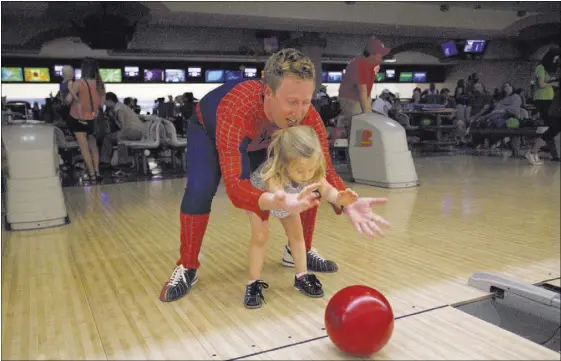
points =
(225, 122)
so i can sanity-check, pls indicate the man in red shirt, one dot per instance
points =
(355, 89)
(224, 124)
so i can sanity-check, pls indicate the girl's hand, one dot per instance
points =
(346, 197)
(298, 203)
(361, 217)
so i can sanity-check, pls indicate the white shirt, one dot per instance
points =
(381, 106)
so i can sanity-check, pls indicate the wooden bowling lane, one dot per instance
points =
(442, 334)
(45, 311)
(469, 215)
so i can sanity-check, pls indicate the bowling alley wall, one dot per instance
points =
(33, 79)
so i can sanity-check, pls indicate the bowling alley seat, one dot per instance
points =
(338, 141)
(175, 143)
(66, 148)
(150, 140)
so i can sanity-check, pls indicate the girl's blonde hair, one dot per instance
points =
(288, 145)
(68, 72)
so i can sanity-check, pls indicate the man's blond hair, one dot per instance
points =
(287, 62)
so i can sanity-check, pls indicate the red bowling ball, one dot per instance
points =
(359, 320)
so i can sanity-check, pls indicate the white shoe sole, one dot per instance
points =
(287, 263)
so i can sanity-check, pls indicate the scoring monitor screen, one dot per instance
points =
(175, 76)
(37, 75)
(214, 76)
(194, 72)
(154, 75)
(132, 71)
(111, 75)
(12, 74)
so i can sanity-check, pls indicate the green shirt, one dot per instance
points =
(542, 93)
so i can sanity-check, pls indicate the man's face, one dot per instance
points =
(478, 87)
(290, 103)
(109, 104)
(375, 59)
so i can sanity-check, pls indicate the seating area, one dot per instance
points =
(159, 147)
(459, 124)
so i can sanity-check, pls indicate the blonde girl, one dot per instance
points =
(295, 161)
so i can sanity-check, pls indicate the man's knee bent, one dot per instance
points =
(198, 198)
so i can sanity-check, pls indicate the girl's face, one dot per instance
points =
(507, 89)
(302, 170)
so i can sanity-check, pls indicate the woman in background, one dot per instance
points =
(85, 98)
(544, 76)
(552, 117)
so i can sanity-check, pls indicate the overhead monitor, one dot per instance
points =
(232, 75)
(10, 75)
(58, 69)
(334, 76)
(153, 75)
(132, 71)
(449, 48)
(250, 73)
(37, 75)
(214, 76)
(405, 76)
(419, 77)
(111, 75)
(175, 76)
(194, 72)
(474, 46)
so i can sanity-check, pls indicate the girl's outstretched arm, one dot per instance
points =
(336, 197)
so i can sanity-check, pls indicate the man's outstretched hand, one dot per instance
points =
(298, 203)
(363, 219)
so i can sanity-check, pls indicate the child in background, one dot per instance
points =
(295, 162)
(67, 93)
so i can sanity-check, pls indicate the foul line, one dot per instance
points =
(325, 336)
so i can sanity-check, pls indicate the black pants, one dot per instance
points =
(554, 126)
(542, 107)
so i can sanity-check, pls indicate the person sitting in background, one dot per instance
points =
(507, 107)
(128, 102)
(432, 94)
(129, 124)
(382, 104)
(416, 99)
(446, 99)
(424, 96)
(432, 89)
(395, 105)
(135, 106)
(522, 94)
(479, 102)
(472, 80)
